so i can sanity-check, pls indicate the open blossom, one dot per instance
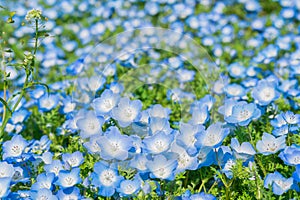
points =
(33, 14)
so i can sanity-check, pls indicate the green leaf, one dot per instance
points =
(5, 104)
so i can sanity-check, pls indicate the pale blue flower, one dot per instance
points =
(270, 145)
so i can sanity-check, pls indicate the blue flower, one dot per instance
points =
(157, 111)
(43, 180)
(244, 151)
(129, 187)
(162, 168)
(67, 179)
(291, 155)
(4, 186)
(265, 92)
(291, 118)
(105, 103)
(114, 145)
(296, 174)
(55, 166)
(14, 148)
(213, 136)
(187, 137)
(185, 161)
(236, 70)
(43, 194)
(89, 124)
(243, 113)
(159, 125)
(73, 160)
(235, 90)
(200, 115)
(6, 170)
(127, 111)
(158, 143)
(278, 183)
(69, 193)
(106, 178)
(270, 145)
(202, 195)
(48, 102)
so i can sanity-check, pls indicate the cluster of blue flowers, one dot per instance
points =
(108, 142)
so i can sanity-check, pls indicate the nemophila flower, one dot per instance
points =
(213, 136)
(227, 168)
(185, 161)
(21, 175)
(283, 130)
(206, 157)
(127, 111)
(69, 193)
(187, 137)
(19, 116)
(89, 124)
(116, 87)
(158, 111)
(162, 168)
(73, 160)
(41, 145)
(242, 151)
(114, 145)
(291, 118)
(48, 102)
(203, 196)
(4, 187)
(6, 170)
(207, 100)
(129, 187)
(92, 145)
(220, 84)
(226, 109)
(95, 83)
(14, 148)
(55, 166)
(159, 125)
(158, 143)
(44, 180)
(296, 174)
(243, 113)
(291, 155)
(139, 162)
(68, 105)
(106, 178)
(67, 179)
(200, 115)
(105, 103)
(270, 145)
(235, 90)
(43, 194)
(185, 75)
(236, 70)
(265, 92)
(278, 183)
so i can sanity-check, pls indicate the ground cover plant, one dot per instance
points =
(195, 99)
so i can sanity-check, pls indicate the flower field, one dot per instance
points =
(162, 99)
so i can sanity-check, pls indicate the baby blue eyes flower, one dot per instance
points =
(114, 145)
(73, 160)
(106, 102)
(67, 179)
(213, 136)
(291, 155)
(243, 113)
(44, 180)
(127, 111)
(278, 183)
(236, 70)
(242, 151)
(106, 178)
(6, 170)
(291, 118)
(89, 124)
(157, 111)
(265, 92)
(129, 187)
(48, 102)
(4, 186)
(69, 193)
(162, 168)
(14, 147)
(270, 145)
(44, 194)
(158, 143)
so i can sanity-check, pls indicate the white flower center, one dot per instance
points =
(107, 177)
(16, 149)
(69, 180)
(244, 115)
